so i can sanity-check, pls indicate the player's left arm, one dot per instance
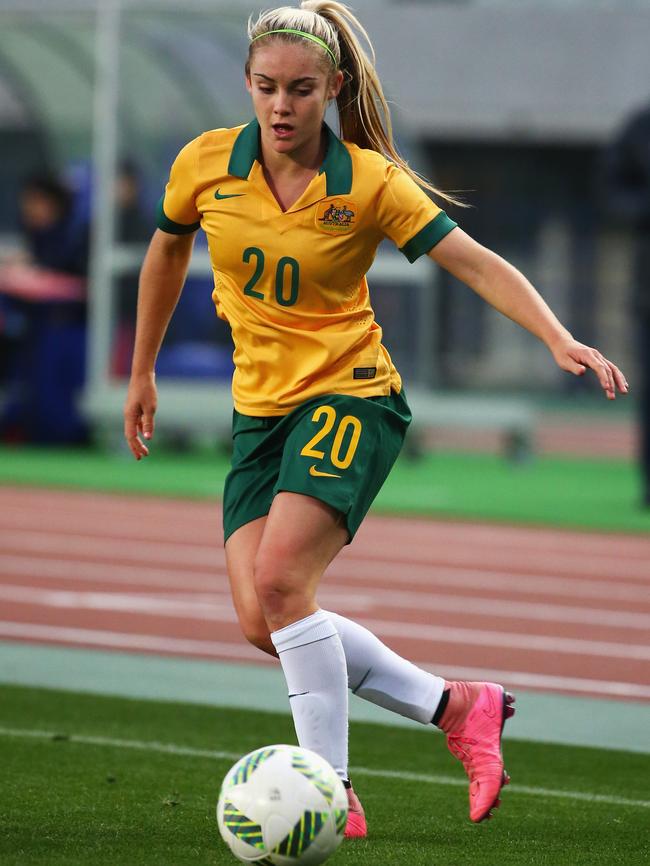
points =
(509, 292)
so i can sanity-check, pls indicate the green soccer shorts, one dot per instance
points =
(336, 448)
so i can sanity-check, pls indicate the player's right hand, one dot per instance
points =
(139, 410)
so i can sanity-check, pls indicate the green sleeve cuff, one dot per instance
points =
(428, 237)
(170, 226)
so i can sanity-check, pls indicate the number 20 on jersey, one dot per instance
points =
(287, 277)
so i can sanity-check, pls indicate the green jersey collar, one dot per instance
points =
(245, 151)
(337, 165)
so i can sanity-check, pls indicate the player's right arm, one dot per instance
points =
(161, 280)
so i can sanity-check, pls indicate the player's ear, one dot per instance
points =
(336, 83)
(247, 74)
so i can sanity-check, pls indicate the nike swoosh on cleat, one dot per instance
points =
(491, 709)
(218, 195)
(313, 471)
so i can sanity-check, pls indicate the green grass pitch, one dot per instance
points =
(96, 786)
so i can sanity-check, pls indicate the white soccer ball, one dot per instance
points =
(282, 806)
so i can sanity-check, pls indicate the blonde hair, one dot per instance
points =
(364, 116)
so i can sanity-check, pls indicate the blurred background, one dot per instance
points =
(535, 568)
(519, 106)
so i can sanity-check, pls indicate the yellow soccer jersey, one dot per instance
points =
(292, 284)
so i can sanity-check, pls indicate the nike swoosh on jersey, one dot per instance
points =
(218, 195)
(313, 471)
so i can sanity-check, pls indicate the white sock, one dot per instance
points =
(313, 661)
(380, 676)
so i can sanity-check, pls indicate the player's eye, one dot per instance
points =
(266, 89)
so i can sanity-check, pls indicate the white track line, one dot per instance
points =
(421, 778)
(507, 580)
(608, 567)
(495, 535)
(208, 605)
(108, 503)
(143, 605)
(118, 527)
(107, 572)
(499, 538)
(23, 501)
(174, 527)
(112, 549)
(242, 651)
(209, 573)
(544, 682)
(502, 608)
(528, 642)
(129, 641)
(438, 634)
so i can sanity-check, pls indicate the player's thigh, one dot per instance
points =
(241, 550)
(302, 535)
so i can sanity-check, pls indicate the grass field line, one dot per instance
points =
(399, 775)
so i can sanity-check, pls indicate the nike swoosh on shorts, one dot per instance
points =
(315, 472)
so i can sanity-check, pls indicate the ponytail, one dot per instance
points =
(364, 115)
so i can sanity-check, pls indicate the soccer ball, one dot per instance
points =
(282, 806)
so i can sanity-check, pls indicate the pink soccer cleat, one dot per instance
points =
(476, 742)
(356, 827)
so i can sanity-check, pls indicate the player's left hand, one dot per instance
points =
(576, 358)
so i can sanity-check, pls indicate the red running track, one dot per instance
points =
(536, 608)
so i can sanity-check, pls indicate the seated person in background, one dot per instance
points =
(44, 289)
(133, 226)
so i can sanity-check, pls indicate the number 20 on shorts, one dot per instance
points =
(328, 413)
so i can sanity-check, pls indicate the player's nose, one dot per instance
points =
(282, 104)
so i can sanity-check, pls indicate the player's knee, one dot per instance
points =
(272, 584)
(276, 587)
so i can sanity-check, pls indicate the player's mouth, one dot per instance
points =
(283, 130)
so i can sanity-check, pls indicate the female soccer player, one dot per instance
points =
(293, 216)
